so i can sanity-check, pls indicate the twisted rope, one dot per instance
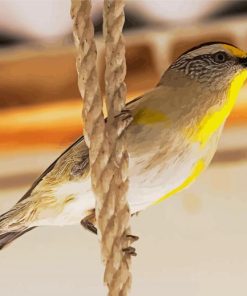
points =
(117, 275)
(92, 115)
(107, 151)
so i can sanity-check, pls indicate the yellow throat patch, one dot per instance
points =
(215, 118)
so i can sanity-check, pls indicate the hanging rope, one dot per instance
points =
(106, 142)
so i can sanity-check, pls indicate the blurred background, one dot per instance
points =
(194, 244)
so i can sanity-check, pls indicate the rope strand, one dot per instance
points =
(117, 274)
(106, 142)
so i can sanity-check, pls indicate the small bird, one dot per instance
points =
(172, 138)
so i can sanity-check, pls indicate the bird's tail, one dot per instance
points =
(8, 237)
(14, 223)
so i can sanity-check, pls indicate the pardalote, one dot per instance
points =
(172, 138)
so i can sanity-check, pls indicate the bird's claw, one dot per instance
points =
(132, 238)
(130, 251)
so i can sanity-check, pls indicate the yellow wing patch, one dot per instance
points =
(198, 168)
(235, 51)
(149, 116)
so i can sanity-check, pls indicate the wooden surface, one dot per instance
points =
(58, 124)
(40, 105)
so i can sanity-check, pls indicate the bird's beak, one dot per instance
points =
(243, 61)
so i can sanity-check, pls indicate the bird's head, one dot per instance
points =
(214, 65)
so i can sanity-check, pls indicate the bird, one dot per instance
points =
(171, 140)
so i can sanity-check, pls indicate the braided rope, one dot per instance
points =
(108, 156)
(94, 123)
(119, 263)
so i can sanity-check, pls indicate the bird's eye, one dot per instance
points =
(220, 57)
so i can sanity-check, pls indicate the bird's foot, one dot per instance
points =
(130, 251)
(132, 238)
(89, 223)
(89, 226)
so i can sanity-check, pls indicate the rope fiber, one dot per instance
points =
(106, 141)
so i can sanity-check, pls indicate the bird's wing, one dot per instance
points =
(124, 115)
(40, 178)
